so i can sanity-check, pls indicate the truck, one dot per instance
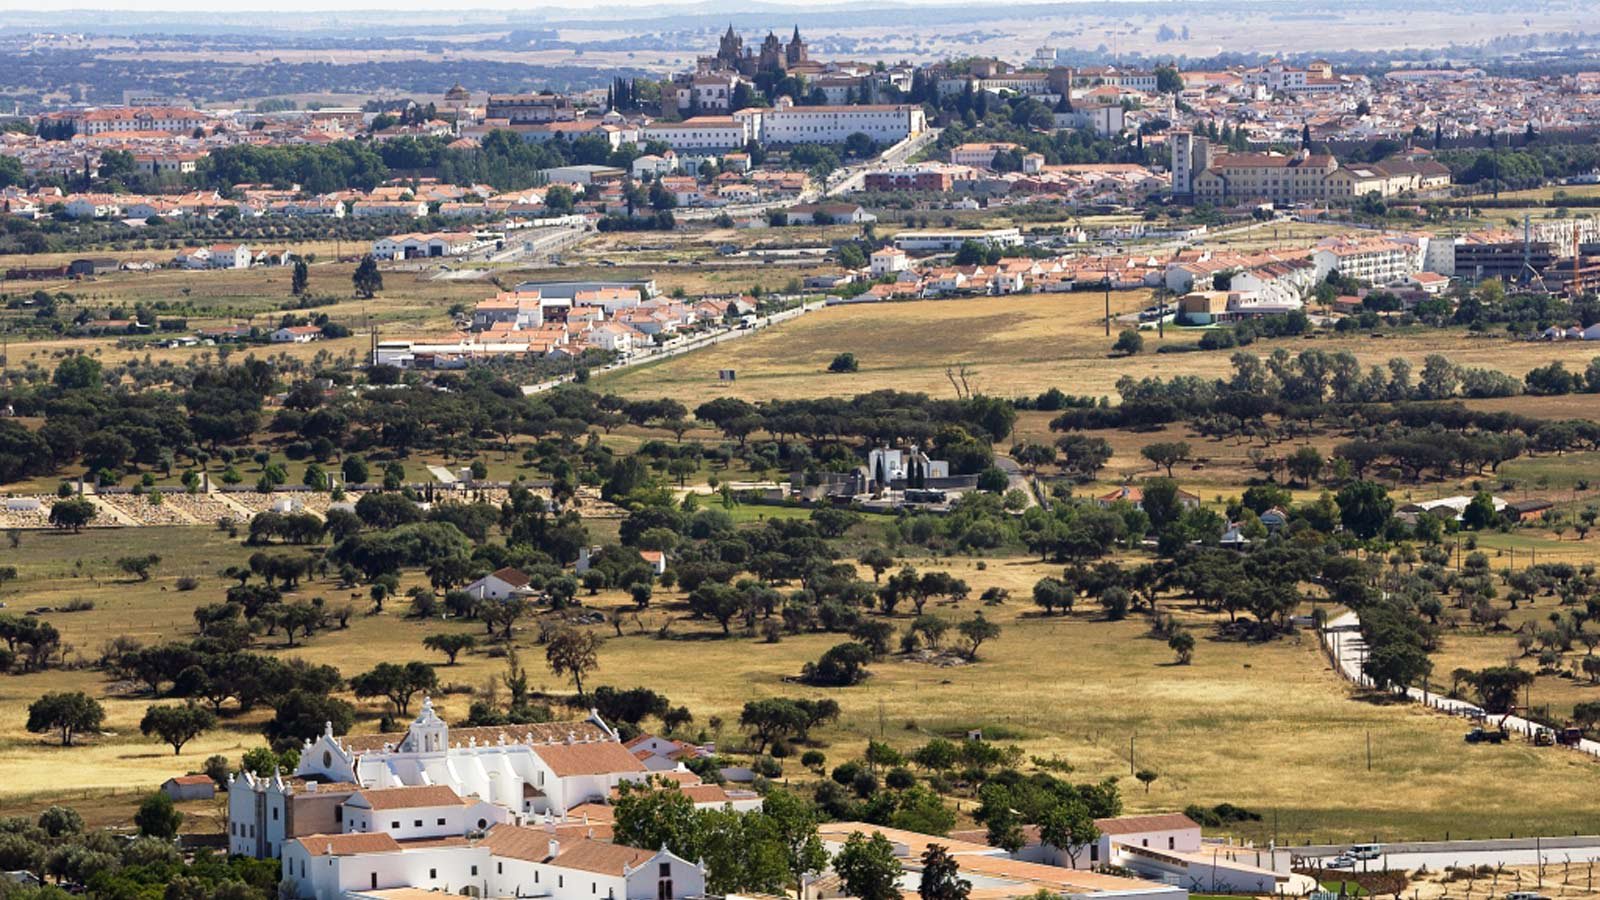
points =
(1569, 736)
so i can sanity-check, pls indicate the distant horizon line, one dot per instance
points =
(703, 7)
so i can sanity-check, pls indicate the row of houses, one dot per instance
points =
(229, 256)
(530, 323)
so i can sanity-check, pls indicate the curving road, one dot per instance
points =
(1342, 637)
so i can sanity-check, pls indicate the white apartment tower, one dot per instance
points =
(1191, 155)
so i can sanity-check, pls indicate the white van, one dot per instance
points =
(1366, 851)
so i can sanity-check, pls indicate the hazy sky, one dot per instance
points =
(312, 6)
(156, 6)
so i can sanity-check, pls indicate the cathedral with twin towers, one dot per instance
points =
(774, 55)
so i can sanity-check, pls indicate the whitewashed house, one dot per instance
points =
(296, 334)
(501, 584)
(508, 861)
(230, 256)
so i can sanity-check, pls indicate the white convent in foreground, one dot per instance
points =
(515, 810)
(511, 773)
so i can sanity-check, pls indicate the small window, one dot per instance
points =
(500, 869)
(338, 814)
(1172, 843)
(395, 825)
(274, 814)
(483, 823)
(416, 823)
(665, 870)
(441, 821)
(474, 871)
(433, 873)
(374, 880)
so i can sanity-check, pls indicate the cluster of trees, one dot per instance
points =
(1529, 166)
(59, 850)
(1064, 812)
(959, 430)
(1554, 379)
(766, 851)
(1031, 125)
(504, 160)
(31, 643)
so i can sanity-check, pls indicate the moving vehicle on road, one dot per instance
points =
(1342, 861)
(1365, 851)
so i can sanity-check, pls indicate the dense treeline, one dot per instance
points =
(504, 160)
(1529, 166)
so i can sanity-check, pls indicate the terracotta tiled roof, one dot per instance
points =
(512, 576)
(1131, 824)
(706, 793)
(596, 856)
(533, 845)
(596, 813)
(593, 758)
(349, 844)
(411, 797)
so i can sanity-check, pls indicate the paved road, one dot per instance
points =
(684, 346)
(851, 178)
(1342, 637)
(1017, 481)
(1436, 855)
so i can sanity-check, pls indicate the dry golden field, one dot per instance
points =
(1017, 345)
(1266, 726)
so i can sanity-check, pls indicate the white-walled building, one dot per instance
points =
(996, 873)
(887, 124)
(980, 155)
(230, 256)
(296, 334)
(702, 133)
(519, 309)
(501, 584)
(952, 239)
(888, 261)
(508, 861)
(1375, 261)
(431, 245)
(1166, 849)
(419, 811)
(525, 770)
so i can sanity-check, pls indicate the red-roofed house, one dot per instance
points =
(501, 584)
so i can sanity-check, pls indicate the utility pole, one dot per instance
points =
(1130, 753)
(1369, 750)
(1108, 298)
